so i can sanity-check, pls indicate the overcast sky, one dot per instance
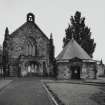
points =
(53, 16)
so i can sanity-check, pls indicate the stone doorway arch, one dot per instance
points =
(32, 68)
(75, 72)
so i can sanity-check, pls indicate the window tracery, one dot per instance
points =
(30, 49)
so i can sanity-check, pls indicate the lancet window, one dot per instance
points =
(30, 49)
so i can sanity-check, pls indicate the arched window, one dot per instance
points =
(30, 49)
(33, 51)
(26, 51)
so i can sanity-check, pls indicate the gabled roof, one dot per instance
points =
(29, 27)
(73, 50)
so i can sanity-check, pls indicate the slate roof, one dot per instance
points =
(73, 50)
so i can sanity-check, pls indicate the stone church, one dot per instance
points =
(28, 51)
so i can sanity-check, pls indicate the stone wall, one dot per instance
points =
(17, 44)
(100, 70)
(63, 71)
(24, 40)
(87, 70)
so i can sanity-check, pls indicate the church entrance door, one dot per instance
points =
(32, 69)
(75, 72)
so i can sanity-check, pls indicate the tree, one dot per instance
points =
(80, 32)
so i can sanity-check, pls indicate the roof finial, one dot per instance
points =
(101, 62)
(51, 37)
(6, 33)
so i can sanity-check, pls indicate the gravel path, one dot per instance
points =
(25, 92)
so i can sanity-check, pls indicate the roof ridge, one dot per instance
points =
(71, 50)
(17, 29)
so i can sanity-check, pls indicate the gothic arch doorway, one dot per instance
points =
(32, 68)
(75, 72)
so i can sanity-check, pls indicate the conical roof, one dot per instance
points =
(73, 50)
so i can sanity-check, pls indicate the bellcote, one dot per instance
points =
(30, 17)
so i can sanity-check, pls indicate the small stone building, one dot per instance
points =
(74, 63)
(28, 51)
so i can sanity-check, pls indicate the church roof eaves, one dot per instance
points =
(41, 31)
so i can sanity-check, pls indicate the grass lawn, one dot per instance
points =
(78, 94)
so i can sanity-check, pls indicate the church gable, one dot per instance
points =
(25, 36)
(29, 28)
(28, 51)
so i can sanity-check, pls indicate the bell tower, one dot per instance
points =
(30, 17)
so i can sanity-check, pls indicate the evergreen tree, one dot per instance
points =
(80, 32)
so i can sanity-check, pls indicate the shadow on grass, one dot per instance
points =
(99, 97)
